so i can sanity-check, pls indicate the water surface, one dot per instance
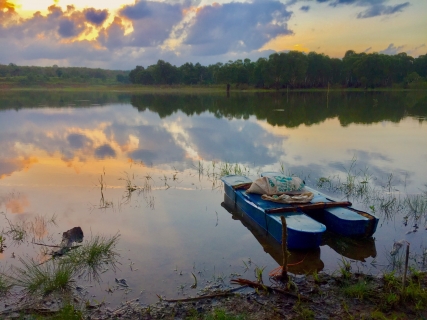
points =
(57, 149)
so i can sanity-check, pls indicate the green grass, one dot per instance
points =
(56, 275)
(413, 294)
(5, 285)
(391, 282)
(44, 278)
(360, 290)
(67, 312)
(344, 268)
(93, 256)
(302, 311)
(220, 314)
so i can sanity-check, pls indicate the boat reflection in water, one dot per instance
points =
(303, 261)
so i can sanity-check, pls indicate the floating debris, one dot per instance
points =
(122, 282)
(396, 246)
(68, 238)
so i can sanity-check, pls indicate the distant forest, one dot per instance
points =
(30, 75)
(293, 70)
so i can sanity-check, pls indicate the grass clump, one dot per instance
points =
(360, 290)
(92, 256)
(413, 294)
(67, 312)
(302, 311)
(345, 268)
(43, 279)
(219, 314)
(216, 314)
(5, 285)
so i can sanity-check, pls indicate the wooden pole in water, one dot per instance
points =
(406, 265)
(284, 275)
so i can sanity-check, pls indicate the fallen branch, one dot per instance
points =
(46, 245)
(222, 294)
(268, 288)
(215, 295)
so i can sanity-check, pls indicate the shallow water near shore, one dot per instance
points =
(147, 167)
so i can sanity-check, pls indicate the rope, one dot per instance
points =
(278, 271)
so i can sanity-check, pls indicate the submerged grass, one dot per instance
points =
(5, 285)
(18, 232)
(57, 275)
(46, 278)
(93, 256)
(380, 196)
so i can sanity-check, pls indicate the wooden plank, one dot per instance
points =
(309, 207)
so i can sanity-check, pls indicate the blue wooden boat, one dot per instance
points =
(346, 221)
(303, 231)
(299, 261)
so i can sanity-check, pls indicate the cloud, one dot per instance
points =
(17, 203)
(67, 28)
(374, 7)
(55, 25)
(305, 8)
(391, 49)
(217, 30)
(105, 151)
(114, 35)
(96, 17)
(367, 49)
(250, 141)
(9, 166)
(379, 10)
(152, 21)
(78, 141)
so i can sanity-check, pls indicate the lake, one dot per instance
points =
(73, 156)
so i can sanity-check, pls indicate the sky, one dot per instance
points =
(121, 34)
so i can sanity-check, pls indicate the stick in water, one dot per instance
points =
(284, 250)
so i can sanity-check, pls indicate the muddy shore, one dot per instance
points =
(321, 296)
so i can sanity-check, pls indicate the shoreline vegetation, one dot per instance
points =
(291, 70)
(197, 89)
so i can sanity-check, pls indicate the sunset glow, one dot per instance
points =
(126, 33)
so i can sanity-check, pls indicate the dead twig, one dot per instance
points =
(46, 245)
(221, 294)
(257, 285)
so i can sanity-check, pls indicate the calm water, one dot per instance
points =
(56, 147)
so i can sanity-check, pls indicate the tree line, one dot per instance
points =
(35, 74)
(292, 70)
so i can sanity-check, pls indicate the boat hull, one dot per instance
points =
(345, 221)
(303, 231)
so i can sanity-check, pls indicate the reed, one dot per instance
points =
(345, 268)
(18, 231)
(258, 273)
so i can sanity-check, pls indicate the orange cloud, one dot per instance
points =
(17, 204)
(7, 6)
(12, 165)
(191, 9)
(27, 163)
